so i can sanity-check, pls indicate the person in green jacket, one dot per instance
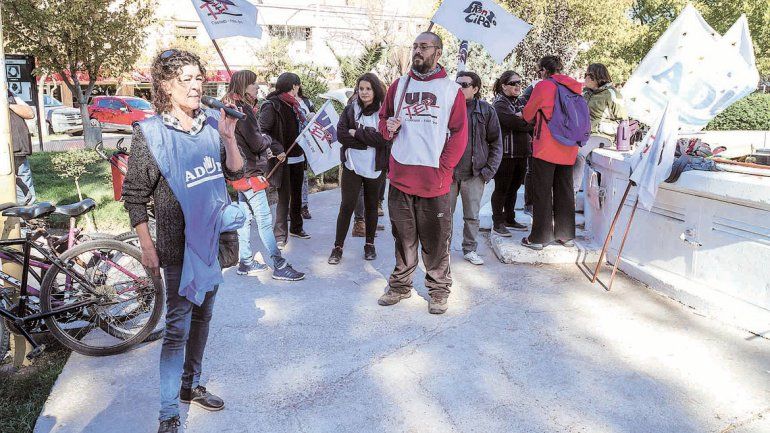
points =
(607, 109)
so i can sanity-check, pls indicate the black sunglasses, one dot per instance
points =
(465, 85)
(514, 83)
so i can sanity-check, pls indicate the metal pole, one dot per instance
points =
(430, 27)
(610, 232)
(221, 56)
(9, 228)
(622, 244)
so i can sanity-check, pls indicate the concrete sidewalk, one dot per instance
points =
(522, 348)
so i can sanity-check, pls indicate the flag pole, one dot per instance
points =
(622, 244)
(430, 27)
(610, 232)
(221, 56)
(281, 162)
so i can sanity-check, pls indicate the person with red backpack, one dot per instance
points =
(562, 124)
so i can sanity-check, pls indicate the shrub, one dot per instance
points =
(751, 113)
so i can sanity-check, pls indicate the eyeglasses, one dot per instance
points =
(423, 47)
(514, 83)
(168, 53)
(464, 84)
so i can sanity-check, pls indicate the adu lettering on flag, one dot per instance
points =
(319, 139)
(485, 22)
(227, 18)
(693, 65)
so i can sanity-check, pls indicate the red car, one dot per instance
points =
(118, 112)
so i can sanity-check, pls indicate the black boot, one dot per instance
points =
(369, 252)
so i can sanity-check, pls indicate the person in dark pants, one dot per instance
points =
(364, 155)
(479, 161)
(180, 159)
(553, 198)
(517, 148)
(282, 118)
(424, 116)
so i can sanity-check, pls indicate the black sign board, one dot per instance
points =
(21, 82)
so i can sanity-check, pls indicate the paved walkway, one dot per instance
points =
(522, 349)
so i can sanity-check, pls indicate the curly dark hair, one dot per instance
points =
(168, 65)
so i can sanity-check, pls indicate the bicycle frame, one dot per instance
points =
(21, 321)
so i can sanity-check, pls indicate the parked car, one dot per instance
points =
(118, 112)
(60, 118)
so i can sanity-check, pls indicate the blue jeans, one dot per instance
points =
(187, 330)
(256, 208)
(26, 194)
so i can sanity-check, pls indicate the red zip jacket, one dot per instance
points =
(544, 146)
(419, 180)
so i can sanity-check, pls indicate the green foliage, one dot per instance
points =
(352, 67)
(71, 37)
(313, 79)
(23, 393)
(109, 214)
(273, 59)
(73, 164)
(751, 113)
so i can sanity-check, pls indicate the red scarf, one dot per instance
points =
(294, 104)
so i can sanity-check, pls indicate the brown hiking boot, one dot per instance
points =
(437, 304)
(359, 229)
(392, 298)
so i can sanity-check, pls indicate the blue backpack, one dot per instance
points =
(570, 123)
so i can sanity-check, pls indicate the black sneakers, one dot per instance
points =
(301, 234)
(200, 397)
(306, 213)
(501, 230)
(517, 226)
(335, 256)
(369, 252)
(170, 425)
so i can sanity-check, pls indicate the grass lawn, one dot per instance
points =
(109, 215)
(23, 392)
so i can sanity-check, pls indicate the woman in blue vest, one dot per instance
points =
(180, 159)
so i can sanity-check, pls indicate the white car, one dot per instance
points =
(59, 118)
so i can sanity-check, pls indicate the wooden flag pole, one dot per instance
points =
(622, 244)
(221, 56)
(430, 27)
(610, 233)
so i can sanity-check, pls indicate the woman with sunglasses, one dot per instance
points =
(252, 190)
(605, 103)
(553, 200)
(517, 148)
(180, 159)
(364, 157)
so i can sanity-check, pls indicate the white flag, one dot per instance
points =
(695, 66)
(484, 22)
(226, 18)
(319, 139)
(652, 161)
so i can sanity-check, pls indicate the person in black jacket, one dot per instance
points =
(282, 118)
(364, 157)
(478, 163)
(252, 194)
(22, 147)
(517, 147)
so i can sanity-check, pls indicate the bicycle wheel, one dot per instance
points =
(130, 238)
(117, 294)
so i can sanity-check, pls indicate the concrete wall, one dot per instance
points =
(706, 241)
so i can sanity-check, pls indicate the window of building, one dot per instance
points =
(186, 32)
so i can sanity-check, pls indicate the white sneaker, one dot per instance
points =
(474, 258)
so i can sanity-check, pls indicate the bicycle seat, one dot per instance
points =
(5, 206)
(30, 212)
(76, 209)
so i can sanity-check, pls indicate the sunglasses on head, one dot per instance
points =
(465, 85)
(168, 53)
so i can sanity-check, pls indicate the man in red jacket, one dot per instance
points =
(424, 116)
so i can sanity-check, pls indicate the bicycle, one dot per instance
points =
(93, 298)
